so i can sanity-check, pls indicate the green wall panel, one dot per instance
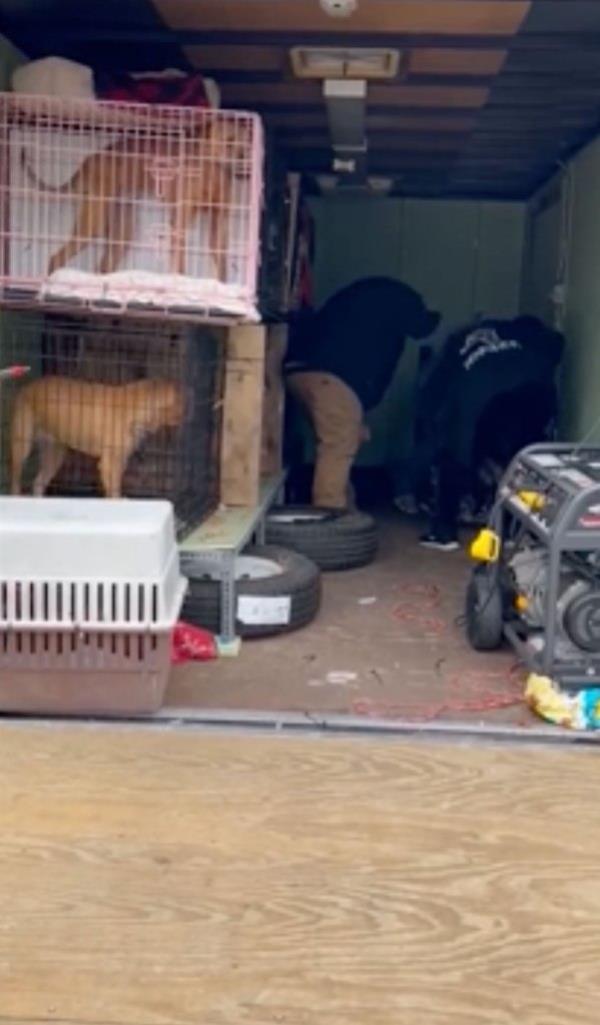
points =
(565, 219)
(464, 257)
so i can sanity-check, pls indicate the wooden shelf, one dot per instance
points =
(230, 528)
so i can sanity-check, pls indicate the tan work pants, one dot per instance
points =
(337, 418)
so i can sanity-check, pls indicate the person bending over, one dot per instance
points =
(492, 392)
(339, 365)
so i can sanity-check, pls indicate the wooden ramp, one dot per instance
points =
(155, 877)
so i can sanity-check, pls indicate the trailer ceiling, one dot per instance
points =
(491, 96)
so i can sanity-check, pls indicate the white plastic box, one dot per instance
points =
(90, 591)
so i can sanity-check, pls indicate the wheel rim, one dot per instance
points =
(256, 567)
(299, 517)
(247, 567)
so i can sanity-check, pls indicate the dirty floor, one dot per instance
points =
(388, 643)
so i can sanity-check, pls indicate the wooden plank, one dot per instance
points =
(229, 529)
(482, 18)
(162, 877)
(219, 59)
(242, 415)
(235, 58)
(441, 61)
(456, 62)
(420, 122)
(274, 401)
(425, 114)
(382, 140)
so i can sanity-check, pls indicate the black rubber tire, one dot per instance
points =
(332, 540)
(484, 611)
(299, 579)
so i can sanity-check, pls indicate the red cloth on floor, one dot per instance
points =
(191, 644)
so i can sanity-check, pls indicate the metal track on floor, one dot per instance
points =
(319, 723)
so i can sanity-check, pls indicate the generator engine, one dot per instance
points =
(578, 605)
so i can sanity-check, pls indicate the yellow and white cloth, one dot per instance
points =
(576, 710)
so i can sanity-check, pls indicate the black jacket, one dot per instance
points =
(480, 363)
(359, 335)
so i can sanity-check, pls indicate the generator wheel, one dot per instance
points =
(484, 610)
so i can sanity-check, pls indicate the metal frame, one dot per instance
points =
(563, 534)
(175, 460)
(219, 540)
(232, 722)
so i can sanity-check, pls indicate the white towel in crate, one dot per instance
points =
(54, 76)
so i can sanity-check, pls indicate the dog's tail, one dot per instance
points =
(43, 186)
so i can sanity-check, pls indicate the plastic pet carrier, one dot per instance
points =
(90, 591)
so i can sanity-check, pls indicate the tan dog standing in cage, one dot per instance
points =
(107, 422)
(193, 176)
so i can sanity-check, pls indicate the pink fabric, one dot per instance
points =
(177, 90)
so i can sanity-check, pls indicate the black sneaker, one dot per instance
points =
(441, 540)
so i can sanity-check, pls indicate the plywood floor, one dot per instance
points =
(153, 877)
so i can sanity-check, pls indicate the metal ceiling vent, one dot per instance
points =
(347, 62)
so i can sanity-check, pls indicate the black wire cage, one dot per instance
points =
(113, 407)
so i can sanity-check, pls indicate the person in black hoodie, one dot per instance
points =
(340, 362)
(491, 393)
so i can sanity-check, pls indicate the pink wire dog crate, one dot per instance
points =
(130, 207)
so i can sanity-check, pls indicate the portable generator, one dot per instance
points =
(536, 581)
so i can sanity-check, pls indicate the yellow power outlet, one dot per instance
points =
(532, 499)
(486, 546)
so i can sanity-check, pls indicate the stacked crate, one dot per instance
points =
(129, 244)
(126, 229)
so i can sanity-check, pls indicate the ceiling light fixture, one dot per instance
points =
(339, 8)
